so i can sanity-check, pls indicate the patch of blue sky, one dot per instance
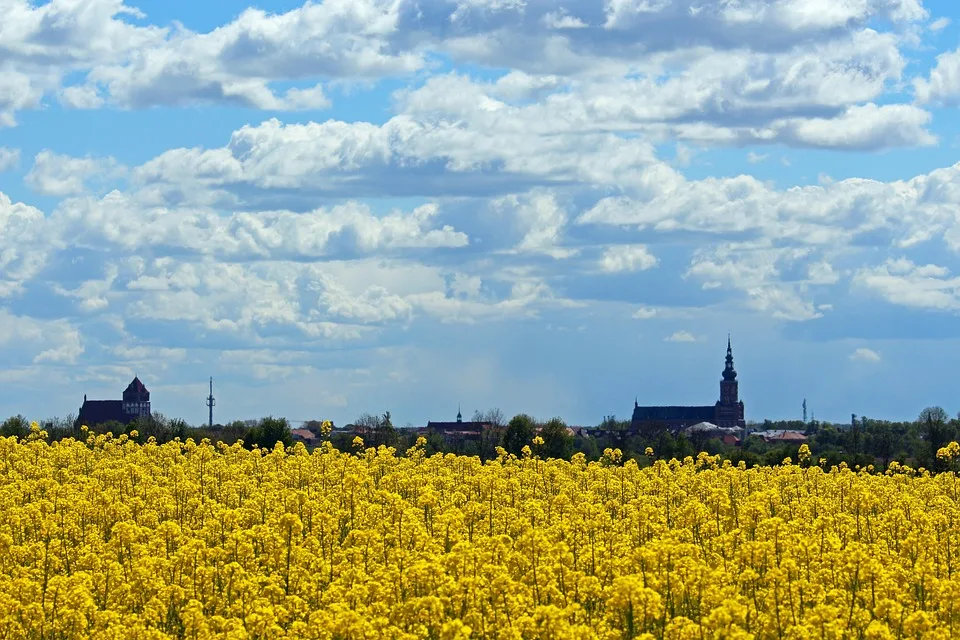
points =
(202, 17)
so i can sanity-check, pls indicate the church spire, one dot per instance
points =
(729, 373)
(459, 416)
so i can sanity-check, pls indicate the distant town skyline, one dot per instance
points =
(335, 208)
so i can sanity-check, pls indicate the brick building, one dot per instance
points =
(727, 412)
(135, 404)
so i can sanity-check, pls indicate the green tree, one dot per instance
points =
(557, 442)
(519, 433)
(15, 426)
(384, 433)
(934, 422)
(268, 432)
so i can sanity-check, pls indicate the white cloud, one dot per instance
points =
(755, 270)
(900, 281)
(92, 294)
(829, 215)
(562, 20)
(277, 237)
(9, 159)
(24, 339)
(126, 221)
(619, 258)
(943, 86)
(866, 127)
(81, 97)
(681, 336)
(24, 244)
(236, 62)
(542, 220)
(939, 24)
(53, 174)
(862, 354)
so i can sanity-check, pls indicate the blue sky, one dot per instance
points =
(545, 206)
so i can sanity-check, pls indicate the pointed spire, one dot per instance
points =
(729, 373)
(459, 416)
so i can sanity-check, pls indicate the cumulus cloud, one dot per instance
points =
(9, 158)
(542, 220)
(900, 281)
(627, 258)
(862, 354)
(351, 227)
(24, 244)
(756, 270)
(681, 336)
(54, 174)
(942, 88)
(31, 340)
(645, 313)
(839, 213)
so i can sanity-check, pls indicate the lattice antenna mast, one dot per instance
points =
(804, 411)
(211, 402)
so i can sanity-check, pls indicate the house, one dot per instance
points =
(306, 436)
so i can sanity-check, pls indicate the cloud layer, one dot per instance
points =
(558, 165)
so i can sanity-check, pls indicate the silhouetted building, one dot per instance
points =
(726, 413)
(135, 404)
(458, 430)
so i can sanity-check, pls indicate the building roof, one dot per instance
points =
(306, 434)
(674, 413)
(782, 434)
(137, 386)
(459, 426)
(94, 412)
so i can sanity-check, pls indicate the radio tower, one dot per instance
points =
(804, 411)
(211, 402)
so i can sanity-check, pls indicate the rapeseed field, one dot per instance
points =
(111, 538)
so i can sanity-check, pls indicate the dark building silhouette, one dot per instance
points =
(135, 404)
(727, 412)
(459, 429)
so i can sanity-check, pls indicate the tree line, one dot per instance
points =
(863, 441)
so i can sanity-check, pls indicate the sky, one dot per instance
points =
(547, 206)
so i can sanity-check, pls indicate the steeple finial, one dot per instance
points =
(459, 416)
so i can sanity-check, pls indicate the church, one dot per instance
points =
(726, 413)
(135, 404)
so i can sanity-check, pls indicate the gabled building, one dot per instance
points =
(727, 412)
(135, 404)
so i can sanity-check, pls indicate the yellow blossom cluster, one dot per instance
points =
(108, 538)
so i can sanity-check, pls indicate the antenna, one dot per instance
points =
(804, 411)
(211, 402)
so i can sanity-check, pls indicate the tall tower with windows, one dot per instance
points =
(729, 409)
(136, 399)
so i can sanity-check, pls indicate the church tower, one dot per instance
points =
(136, 399)
(729, 409)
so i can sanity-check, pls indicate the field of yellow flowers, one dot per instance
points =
(109, 538)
